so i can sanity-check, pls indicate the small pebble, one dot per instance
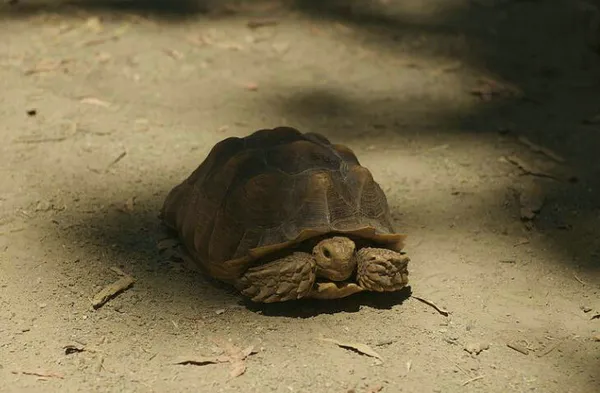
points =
(43, 206)
(585, 309)
(476, 348)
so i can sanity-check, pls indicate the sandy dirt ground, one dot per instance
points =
(480, 119)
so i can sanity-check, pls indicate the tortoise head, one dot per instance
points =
(335, 258)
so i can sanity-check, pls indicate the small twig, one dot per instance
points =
(112, 290)
(528, 169)
(95, 101)
(518, 348)
(99, 41)
(41, 140)
(431, 304)
(118, 271)
(457, 365)
(521, 242)
(540, 149)
(46, 66)
(578, 279)
(3, 233)
(551, 348)
(40, 374)
(468, 381)
(116, 160)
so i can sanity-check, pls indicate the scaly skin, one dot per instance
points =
(294, 276)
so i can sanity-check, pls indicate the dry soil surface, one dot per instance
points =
(480, 119)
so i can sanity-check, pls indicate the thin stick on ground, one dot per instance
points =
(116, 160)
(540, 149)
(431, 304)
(578, 279)
(528, 169)
(468, 381)
(551, 348)
(112, 290)
(518, 348)
(41, 374)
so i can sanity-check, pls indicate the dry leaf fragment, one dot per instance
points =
(375, 389)
(175, 54)
(94, 24)
(117, 271)
(95, 101)
(112, 290)
(128, 206)
(235, 356)
(167, 243)
(238, 365)
(46, 66)
(531, 201)
(237, 369)
(521, 241)
(358, 347)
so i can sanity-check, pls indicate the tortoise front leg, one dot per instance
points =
(288, 278)
(381, 270)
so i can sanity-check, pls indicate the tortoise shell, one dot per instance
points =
(270, 191)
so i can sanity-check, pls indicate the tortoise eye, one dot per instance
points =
(326, 253)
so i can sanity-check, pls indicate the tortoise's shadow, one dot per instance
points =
(308, 308)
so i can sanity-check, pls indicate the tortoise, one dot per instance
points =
(284, 215)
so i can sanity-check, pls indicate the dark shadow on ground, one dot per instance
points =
(168, 10)
(174, 9)
(311, 308)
